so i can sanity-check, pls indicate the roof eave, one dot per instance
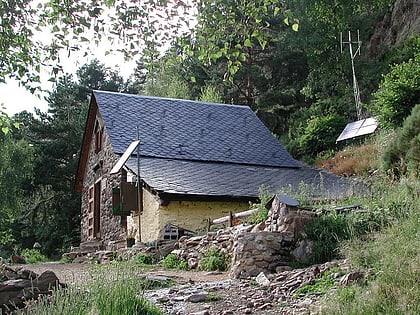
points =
(87, 139)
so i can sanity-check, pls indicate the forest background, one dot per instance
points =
(283, 59)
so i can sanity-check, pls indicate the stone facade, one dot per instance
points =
(99, 164)
(191, 215)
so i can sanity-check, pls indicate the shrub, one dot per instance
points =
(146, 259)
(33, 256)
(402, 155)
(320, 133)
(173, 262)
(398, 92)
(214, 260)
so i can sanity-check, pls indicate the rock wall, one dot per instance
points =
(399, 23)
(266, 247)
(263, 251)
(18, 286)
(112, 228)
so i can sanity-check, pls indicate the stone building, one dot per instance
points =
(196, 161)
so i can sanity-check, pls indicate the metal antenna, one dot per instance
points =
(138, 183)
(353, 55)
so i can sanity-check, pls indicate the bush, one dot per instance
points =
(146, 259)
(398, 92)
(320, 133)
(402, 155)
(33, 256)
(173, 262)
(214, 260)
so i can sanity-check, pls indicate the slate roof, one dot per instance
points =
(234, 180)
(190, 130)
(205, 149)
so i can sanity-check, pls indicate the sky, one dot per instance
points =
(16, 98)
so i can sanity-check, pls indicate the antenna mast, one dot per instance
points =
(353, 56)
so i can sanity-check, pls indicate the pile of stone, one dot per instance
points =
(266, 247)
(264, 294)
(18, 286)
(193, 248)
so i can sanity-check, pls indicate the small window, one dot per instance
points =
(98, 137)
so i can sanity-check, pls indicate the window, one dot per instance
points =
(94, 203)
(91, 206)
(98, 137)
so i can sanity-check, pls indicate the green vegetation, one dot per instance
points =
(402, 156)
(214, 260)
(320, 285)
(145, 259)
(33, 256)
(391, 258)
(111, 289)
(399, 91)
(173, 262)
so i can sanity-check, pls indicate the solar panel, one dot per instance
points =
(124, 157)
(358, 128)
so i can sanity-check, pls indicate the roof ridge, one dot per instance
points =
(171, 99)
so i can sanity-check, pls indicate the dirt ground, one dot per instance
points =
(228, 296)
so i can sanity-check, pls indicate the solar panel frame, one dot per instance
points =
(358, 128)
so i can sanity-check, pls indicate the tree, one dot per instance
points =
(15, 168)
(51, 212)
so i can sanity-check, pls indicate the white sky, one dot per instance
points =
(16, 98)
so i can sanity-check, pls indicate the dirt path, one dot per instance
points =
(214, 292)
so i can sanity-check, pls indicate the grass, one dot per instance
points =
(173, 262)
(390, 256)
(320, 285)
(214, 260)
(111, 289)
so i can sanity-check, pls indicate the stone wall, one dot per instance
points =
(99, 165)
(266, 247)
(260, 252)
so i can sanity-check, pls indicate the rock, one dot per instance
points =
(351, 277)
(196, 298)
(303, 251)
(262, 279)
(23, 285)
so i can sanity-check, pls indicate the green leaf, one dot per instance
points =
(295, 27)
(5, 130)
(286, 20)
(193, 80)
(248, 43)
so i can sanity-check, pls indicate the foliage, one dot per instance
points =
(320, 133)
(391, 258)
(210, 94)
(320, 285)
(146, 259)
(399, 92)
(173, 262)
(402, 156)
(360, 161)
(328, 230)
(15, 169)
(233, 29)
(33, 256)
(262, 214)
(214, 260)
